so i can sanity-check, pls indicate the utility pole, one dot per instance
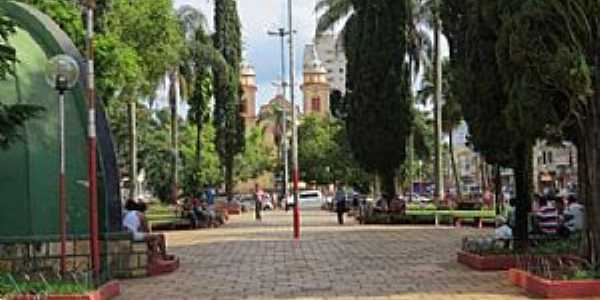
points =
(92, 179)
(282, 33)
(439, 177)
(295, 170)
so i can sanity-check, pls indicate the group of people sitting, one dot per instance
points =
(201, 213)
(551, 216)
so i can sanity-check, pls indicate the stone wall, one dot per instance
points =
(120, 256)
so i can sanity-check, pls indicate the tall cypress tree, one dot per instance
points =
(228, 122)
(380, 113)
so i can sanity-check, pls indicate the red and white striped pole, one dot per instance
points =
(91, 99)
(295, 171)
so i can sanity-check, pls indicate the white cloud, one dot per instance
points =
(261, 50)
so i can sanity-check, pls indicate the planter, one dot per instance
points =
(488, 262)
(109, 290)
(554, 288)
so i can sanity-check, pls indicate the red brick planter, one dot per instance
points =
(107, 291)
(488, 262)
(554, 288)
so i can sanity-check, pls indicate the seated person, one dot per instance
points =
(573, 215)
(381, 205)
(547, 217)
(135, 222)
(503, 231)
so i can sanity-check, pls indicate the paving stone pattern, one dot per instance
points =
(259, 260)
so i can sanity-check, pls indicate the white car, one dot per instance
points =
(313, 196)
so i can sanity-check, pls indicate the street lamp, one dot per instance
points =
(62, 73)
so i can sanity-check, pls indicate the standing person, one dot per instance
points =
(340, 205)
(258, 198)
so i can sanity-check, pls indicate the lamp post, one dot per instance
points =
(62, 73)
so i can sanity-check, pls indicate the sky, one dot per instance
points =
(261, 50)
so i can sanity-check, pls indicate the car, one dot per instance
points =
(312, 196)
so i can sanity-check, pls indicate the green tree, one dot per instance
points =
(257, 157)
(552, 48)
(473, 33)
(381, 113)
(150, 34)
(67, 14)
(228, 122)
(324, 153)
(206, 172)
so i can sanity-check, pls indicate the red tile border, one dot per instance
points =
(488, 262)
(554, 288)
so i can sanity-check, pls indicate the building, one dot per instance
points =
(249, 89)
(555, 167)
(316, 88)
(331, 51)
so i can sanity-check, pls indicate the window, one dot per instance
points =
(316, 104)
(244, 106)
(342, 70)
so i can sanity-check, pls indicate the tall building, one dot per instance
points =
(315, 87)
(331, 52)
(249, 89)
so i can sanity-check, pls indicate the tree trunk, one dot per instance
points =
(174, 93)
(229, 179)
(439, 177)
(131, 112)
(523, 179)
(590, 145)
(453, 162)
(388, 186)
(498, 188)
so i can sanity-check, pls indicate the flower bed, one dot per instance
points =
(554, 288)
(107, 291)
(500, 262)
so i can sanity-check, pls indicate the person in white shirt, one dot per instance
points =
(135, 222)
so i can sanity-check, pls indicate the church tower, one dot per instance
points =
(248, 85)
(316, 87)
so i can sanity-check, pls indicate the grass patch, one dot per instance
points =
(9, 286)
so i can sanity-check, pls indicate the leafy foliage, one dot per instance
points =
(325, 155)
(257, 158)
(67, 14)
(227, 120)
(380, 105)
(206, 172)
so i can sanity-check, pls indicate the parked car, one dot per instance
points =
(312, 196)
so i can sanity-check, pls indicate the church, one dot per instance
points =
(315, 89)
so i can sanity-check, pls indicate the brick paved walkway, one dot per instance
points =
(250, 260)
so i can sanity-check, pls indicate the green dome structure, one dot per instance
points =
(29, 169)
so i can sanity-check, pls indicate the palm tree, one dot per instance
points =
(334, 11)
(451, 110)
